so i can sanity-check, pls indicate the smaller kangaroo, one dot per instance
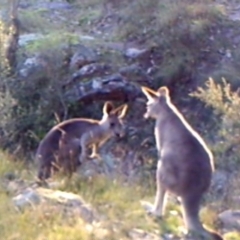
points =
(66, 144)
(185, 163)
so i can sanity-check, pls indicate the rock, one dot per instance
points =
(108, 88)
(146, 205)
(24, 39)
(10, 176)
(32, 65)
(220, 180)
(112, 81)
(143, 235)
(88, 71)
(96, 230)
(135, 53)
(105, 166)
(90, 169)
(135, 73)
(26, 198)
(235, 16)
(47, 5)
(93, 69)
(86, 38)
(230, 219)
(68, 203)
(14, 186)
(57, 6)
(82, 57)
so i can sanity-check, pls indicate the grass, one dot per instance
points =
(225, 103)
(80, 14)
(34, 20)
(51, 42)
(166, 20)
(117, 203)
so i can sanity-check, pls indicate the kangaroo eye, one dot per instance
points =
(112, 124)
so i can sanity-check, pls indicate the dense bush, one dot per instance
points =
(33, 104)
(225, 104)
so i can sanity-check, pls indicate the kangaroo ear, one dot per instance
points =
(163, 91)
(121, 111)
(149, 93)
(107, 108)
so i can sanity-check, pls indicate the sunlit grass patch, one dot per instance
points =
(119, 203)
(232, 236)
(209, 217)
(51, 41)
(34, 21)
(37, 223)
(116, 202)
(9, 165)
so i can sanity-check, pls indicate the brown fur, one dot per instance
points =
(185, 163)
(66, 145)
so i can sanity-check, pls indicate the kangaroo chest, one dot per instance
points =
(157, 139)
(96, 137)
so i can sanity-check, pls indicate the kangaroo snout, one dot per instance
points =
(146, 114)
(119, 131)
(120, 134)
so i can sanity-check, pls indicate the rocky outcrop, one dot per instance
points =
(90, 79)
(230, 219)
(69, 204)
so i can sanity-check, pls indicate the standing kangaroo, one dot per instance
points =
(66, 144)
(185, 165)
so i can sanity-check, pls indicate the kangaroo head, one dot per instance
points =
(156, 100)
(112, 119)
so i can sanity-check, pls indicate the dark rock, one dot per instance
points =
(112, 88)
(220, 183)
(136, 74)
(82, 57)
(66, 202)
(32, 65)
(24, 39)
(135, 53)
(230, 219)
(90, 70)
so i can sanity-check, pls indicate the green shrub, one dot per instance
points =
(32, 21)
(225, 104)
(32, 105)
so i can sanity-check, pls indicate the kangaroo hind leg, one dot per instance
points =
(158, 208)
(190, 208)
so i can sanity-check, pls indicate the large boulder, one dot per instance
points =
(67, 203)
(230, 219)
(83, 55)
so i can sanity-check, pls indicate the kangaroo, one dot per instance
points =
(185, 163)
(66, 144)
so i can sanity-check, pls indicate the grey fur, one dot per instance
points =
(185, 163)
(66, 144)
